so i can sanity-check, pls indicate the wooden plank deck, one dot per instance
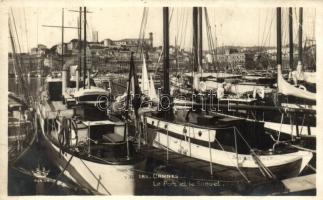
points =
(300, 183)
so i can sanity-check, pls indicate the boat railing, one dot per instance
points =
(265, 170)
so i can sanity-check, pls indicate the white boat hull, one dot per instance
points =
(98, 178)
(226, 159)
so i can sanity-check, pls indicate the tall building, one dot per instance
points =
(95, 36)
(151, 39)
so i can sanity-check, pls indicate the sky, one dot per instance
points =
(232, 26)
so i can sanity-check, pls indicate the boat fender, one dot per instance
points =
(74, 127)
(202, 86)
(62, 135)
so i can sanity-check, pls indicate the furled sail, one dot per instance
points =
(147, 86)
(310, 77)
(300, 75)
(152, 90)
(144, 86)
(285, 88)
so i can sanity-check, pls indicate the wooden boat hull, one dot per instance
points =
(224, 163)
(96, 177)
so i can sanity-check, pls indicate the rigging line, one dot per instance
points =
(295, 25)
(144, 32)
(15, 27)
(37, 24)
(20, 59)
(171, 15)
(184, 27)
(263, 33)
(21, 32)
(177, 25)
(268, 33)
(141, 31)
(17, 59)
(26, 29)
(103, 186)
(210, 37)
(180, 29)
(259, 14)
(227, 154)
(286, 27)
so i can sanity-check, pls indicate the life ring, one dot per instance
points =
(302, 87)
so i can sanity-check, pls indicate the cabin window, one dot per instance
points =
(54, 91)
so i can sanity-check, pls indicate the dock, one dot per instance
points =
(300, 184)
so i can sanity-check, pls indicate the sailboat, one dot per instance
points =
(21, 133)
(229, 148)
(21, 127)
(90, 145)
(300, 108)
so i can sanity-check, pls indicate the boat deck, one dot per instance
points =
(51, 110)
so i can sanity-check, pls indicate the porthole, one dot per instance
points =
(184, 130)
(200, 133)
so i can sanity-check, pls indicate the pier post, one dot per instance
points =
(167, 152)
(210, 151)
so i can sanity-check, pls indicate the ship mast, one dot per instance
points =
(195, 38)
(62, 55)
(195, 49)
(165, 98)
(291, 43)
(80, 49)
(166, 50)
(84, 51)
(279, 39)
(300, 35)
(200, 37)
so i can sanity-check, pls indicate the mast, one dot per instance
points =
(300, 35)
(215, 47)
(279, 39)
(165, 99)
(166, 50)
(195, 39)
(84, 50)
(200, 37)
(195, 51)
(80, 41)
(291, 43)
(176, 56)
(62, 61)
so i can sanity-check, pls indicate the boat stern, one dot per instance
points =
(306, 158)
